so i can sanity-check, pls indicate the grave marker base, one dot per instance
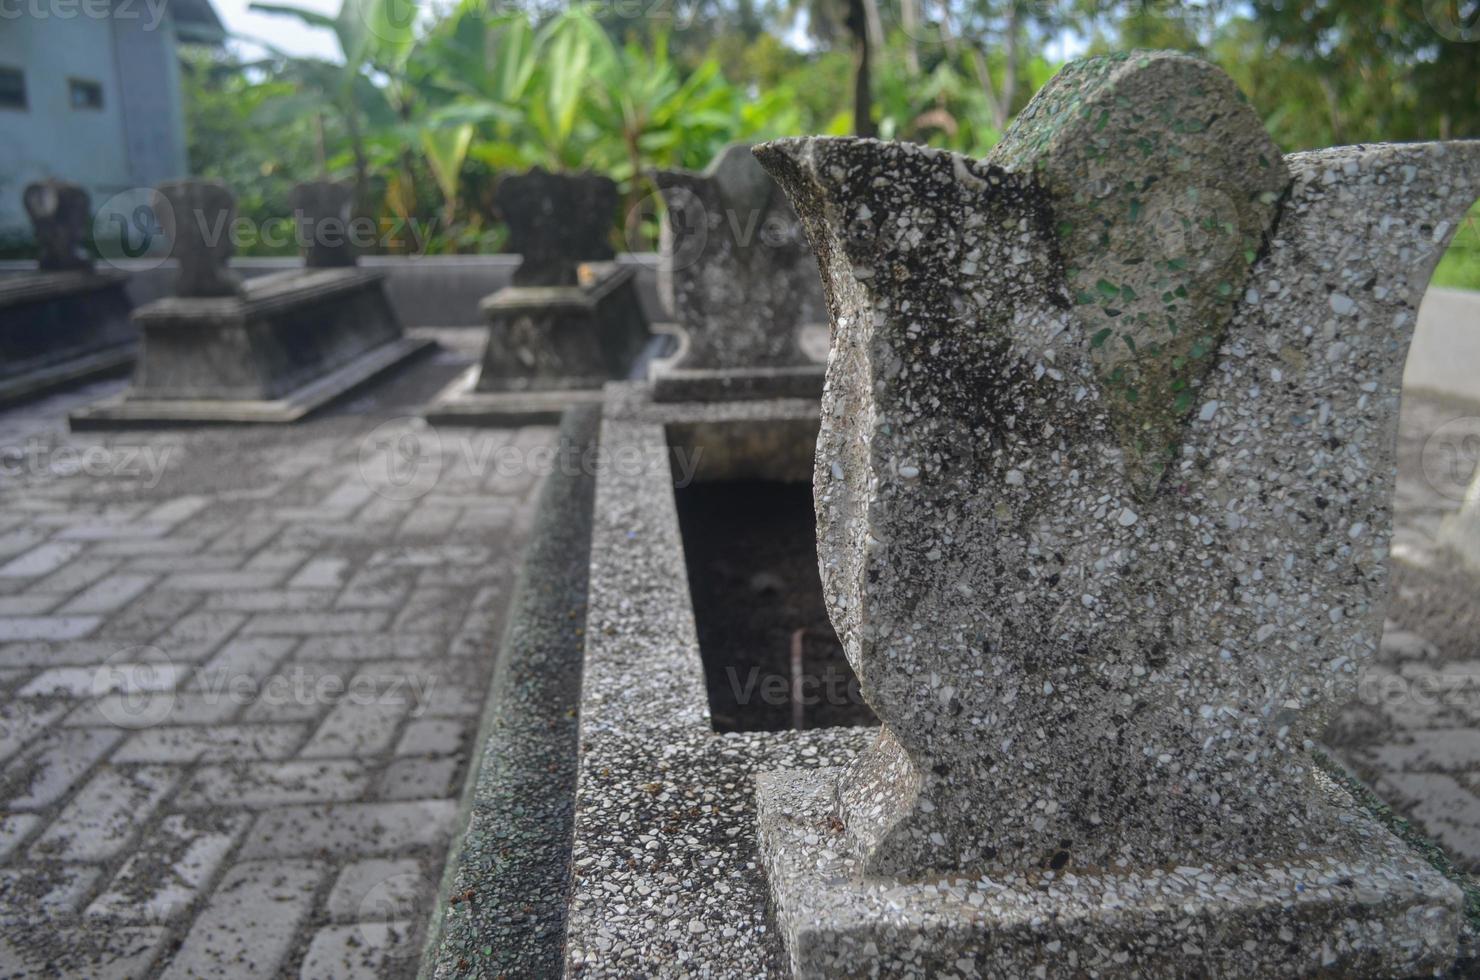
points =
(289, 344)
(1374, 910)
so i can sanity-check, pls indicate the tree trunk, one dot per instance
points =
(909, 23)
(863, 103)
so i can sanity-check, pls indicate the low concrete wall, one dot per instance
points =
(425, 291)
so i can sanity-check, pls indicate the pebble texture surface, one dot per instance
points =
(1071, 672)
(1102, 603)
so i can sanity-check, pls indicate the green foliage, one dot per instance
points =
(424, 115)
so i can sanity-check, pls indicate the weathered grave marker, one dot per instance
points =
(1103, 494)
(742, 284)
(572, 319)
(322, 212)
(197, 219)
(556, 222)
(60, 214)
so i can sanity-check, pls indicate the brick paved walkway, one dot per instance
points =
(1413, 733)
(240, 674)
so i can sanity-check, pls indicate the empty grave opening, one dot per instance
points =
(771, 659)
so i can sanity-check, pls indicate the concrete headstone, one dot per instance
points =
(556, 222)
(197, 220)
(322, 211)
(60, 214)
(1103, 484)
(742, 278)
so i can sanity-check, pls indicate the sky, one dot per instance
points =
(284, 33)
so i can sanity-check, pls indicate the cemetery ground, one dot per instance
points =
(242, 671)
(242, 675)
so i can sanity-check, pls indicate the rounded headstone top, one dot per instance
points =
(1165, 185)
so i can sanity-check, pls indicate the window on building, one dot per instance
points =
(85, 94)
(12, 88)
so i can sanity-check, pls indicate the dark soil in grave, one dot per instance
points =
(751, 552)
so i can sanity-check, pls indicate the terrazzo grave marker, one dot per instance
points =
(741, 281)
(1103, 493)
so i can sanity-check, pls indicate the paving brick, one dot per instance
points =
(371, 646)
(28, 605)
(163, 877)
(351, 829)
(148, 547)
(49, 891)
(46, 627)
(74, 576)
(111, 531)
(377, 588)
(176, 511)
(1445, 810)
(277, 559)
(41, 560)
(148, 616)
(241, 666)
(108, 594)
(432, 610)
(269, 784)
(365, 951)
(308, 624)
(123, 953)
(428, 522)
(245, 537)
(47, 653)
(126, 678)
(232, 581)
(278, 600)
(379, 890)
(49, 766)
(431, 736)
(250, 921)
(14, 828)
(419, 779)
(199, 634)
(104, 816)
(209, 744)
(21, 720)
(320, 573)
(208, 562)
(134, 711)
(356, 728)
(20, 539)
(1442, 750)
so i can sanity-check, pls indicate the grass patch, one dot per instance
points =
(1460, 267)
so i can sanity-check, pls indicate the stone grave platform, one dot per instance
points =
(551, 347)
(287, 344)
(61, 327)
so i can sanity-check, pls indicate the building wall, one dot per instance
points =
(135, 139)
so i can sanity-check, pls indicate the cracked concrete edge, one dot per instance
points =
(501, 904)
